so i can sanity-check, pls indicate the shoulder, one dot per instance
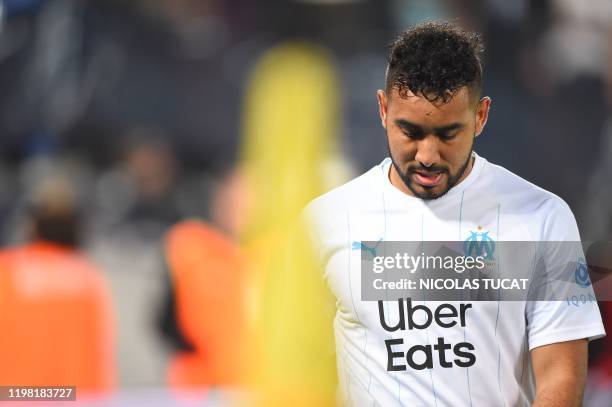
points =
(522, 198)
(517, 191)
(358, 192)
(327, 216)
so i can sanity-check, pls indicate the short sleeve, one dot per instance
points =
(565, 308)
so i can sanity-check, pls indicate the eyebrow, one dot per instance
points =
(405, 124)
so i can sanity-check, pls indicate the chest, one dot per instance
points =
(476, 230)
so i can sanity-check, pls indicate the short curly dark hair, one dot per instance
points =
(435, 60)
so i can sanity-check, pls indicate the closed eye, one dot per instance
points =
(414, 135)
(416, 132)
(447, 137)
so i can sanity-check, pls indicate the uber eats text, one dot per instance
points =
(400, 356)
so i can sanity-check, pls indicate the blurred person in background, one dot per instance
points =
(205, 314)
(56, 313)
(206, 273)
(134, 201)
(234, 308)
(150, 170)
(565, 69)
(577, 50)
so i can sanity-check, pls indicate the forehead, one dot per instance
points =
(418, 109)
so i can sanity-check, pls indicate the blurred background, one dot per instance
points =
(120, 118)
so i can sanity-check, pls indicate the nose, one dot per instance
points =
(427, 151)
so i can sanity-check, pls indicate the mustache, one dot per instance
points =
(434, 169)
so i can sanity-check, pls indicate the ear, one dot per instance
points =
(382, 106)
(482, 114)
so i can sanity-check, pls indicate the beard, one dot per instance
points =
(429, 193)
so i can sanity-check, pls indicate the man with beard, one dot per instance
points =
(434, 187)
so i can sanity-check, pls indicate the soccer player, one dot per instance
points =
(434, 187)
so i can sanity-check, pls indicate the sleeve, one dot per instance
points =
(565, 307)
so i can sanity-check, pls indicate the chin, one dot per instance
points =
(429, 194)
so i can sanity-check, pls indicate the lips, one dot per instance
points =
(428, 179)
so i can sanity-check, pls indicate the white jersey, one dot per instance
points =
(483, 358)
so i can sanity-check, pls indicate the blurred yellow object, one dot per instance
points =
(290, 132)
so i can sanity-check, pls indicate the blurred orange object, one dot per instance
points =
(55, 319)
(208, 275)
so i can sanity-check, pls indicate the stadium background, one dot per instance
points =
(137, 109)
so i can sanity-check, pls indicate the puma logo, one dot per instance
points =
(362, 246)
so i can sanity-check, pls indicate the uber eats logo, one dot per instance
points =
(420, 317)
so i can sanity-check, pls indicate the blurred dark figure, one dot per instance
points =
(208, 276)
(55, 307)
(150, 164)
(140, 189)
(203, 317)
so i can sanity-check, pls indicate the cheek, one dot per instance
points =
(456, 154)
(398, 140)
